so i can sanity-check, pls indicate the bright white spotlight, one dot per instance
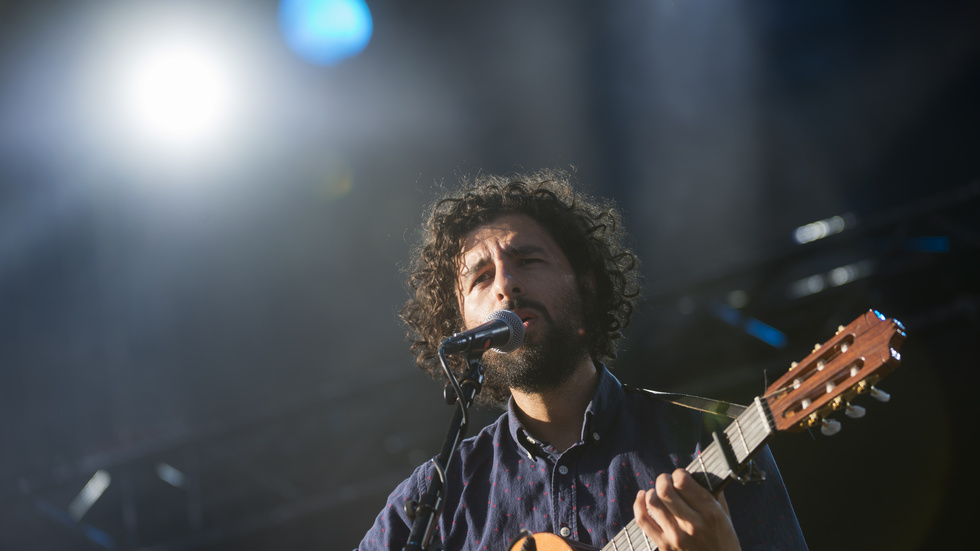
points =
(178, 94)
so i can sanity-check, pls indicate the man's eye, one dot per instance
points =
(479, 279)
(530, 260)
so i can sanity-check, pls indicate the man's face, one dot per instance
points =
(513, 264)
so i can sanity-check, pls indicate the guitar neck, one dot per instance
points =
(714, 467)
(836, 372)
(744, 436)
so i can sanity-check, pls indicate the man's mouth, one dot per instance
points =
(526, 316)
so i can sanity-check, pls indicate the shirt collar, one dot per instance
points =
(599, 415)
(528, 447)
(603, 408)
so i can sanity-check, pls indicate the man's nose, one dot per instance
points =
(507, 284)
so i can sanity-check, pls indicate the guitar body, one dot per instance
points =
(544, 541)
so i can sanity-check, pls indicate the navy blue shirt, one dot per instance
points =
(502, 480)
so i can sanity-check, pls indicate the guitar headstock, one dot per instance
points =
(847, 365)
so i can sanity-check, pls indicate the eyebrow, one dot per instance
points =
(511, 252)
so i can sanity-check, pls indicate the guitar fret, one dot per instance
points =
(713, 467)
(742, 437)
(763, 416)
(635, 539)
(710, 468)
(703, 469)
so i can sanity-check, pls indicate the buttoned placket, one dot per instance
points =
(563, 482)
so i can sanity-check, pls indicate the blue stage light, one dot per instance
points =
(324, 32)
(935, 244)
(765, 333)
(762, 331)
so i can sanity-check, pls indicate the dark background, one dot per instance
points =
(231, 314)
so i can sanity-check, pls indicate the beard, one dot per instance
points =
(547, 359)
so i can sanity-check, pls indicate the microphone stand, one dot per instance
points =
(426, 510)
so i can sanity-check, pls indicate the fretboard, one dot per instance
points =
(712, 469)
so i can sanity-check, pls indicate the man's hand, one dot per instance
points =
(679, 514)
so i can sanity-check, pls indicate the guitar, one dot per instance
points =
(826, 381)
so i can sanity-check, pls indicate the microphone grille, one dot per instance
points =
(516, 326)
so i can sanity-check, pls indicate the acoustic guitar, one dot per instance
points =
(826, 381)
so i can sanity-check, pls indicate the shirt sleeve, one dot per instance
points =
(392, 526)
(762, 513)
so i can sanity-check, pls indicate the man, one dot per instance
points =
(576, 453)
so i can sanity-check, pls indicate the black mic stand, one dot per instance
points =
(425, 511)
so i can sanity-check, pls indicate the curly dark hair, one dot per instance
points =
(588, 231)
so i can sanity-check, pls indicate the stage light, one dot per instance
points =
(89, 495)
(177, 94)
(846, 274)
(840, 275)
(765, 333)
(754, 327)
(823, 228)
(934, 244)
(324, 32)
(807, 286)
(738, 299)
(170, 474)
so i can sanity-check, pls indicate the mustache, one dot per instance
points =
(526, 303)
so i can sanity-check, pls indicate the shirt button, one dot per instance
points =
(595, 436)
(563, 469)
(565, 531)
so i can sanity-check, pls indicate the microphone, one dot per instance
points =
(503, 331)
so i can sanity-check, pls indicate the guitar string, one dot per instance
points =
(713, 459)
(632, 531)
(755, 432)
(752, 431)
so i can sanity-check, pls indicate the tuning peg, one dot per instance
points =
(830, 427)
(880, 395)
(854, 412)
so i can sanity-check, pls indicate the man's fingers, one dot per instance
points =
(707, 506)
(678, 514)
(641, 512)
(671, 527)
(675, 502)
